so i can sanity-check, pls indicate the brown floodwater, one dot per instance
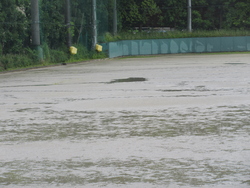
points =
(168, 121)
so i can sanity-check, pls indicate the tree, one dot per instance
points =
(15, 28)
(214, 14)
(174, 13)
(151, 13)
(200, 15)
(53, 23)
(136, 13)
(237, 14)
(129, 12)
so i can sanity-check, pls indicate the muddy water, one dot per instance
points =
(170, 121)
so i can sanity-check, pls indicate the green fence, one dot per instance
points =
(54, 26)
(179, 45)
(50, 17)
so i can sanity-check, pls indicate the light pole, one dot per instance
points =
(94, 27)
(68, 20)
(189, 17)
(35, 28)
(115, 18)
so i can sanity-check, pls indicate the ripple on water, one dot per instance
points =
(177, 147)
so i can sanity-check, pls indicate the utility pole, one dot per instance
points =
(67, 21)
(94, 26)
(35, 28)
(115, 18)
(189, 17)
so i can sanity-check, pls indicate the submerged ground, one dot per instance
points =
(166, 121)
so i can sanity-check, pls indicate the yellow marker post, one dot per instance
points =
(98, 47)
(73, 50)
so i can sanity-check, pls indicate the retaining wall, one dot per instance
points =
(178, 45)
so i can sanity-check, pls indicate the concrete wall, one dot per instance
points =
(179, 45)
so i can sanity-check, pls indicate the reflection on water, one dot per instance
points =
(189, 147)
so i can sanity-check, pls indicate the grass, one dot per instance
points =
(173, 34)
(220, 53)
(58, 56)
(10, 62)
(203, 53)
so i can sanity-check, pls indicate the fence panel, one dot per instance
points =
(181, 45)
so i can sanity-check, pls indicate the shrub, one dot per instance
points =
(57, 56)
(98, 55)
(82, 53)
(1, 67)
(10, 61)
(46, 52)
(30, 57)
(131, 35)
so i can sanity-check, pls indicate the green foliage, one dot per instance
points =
(174, 14)
(10, 61)
(136, 13)
(199, 22)
(82, 54)
(57, 56)
(237, 14)
(46, 52)
(14, 26)
(13, 61)
(51, 56)
(82, 19)
(52, 23)
(108, 37)
(175, 34)
(209, 18)
(97, 55)
(150, 13)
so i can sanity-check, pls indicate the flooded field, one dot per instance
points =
(167, 121)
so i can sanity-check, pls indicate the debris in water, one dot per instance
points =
(131, 79)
